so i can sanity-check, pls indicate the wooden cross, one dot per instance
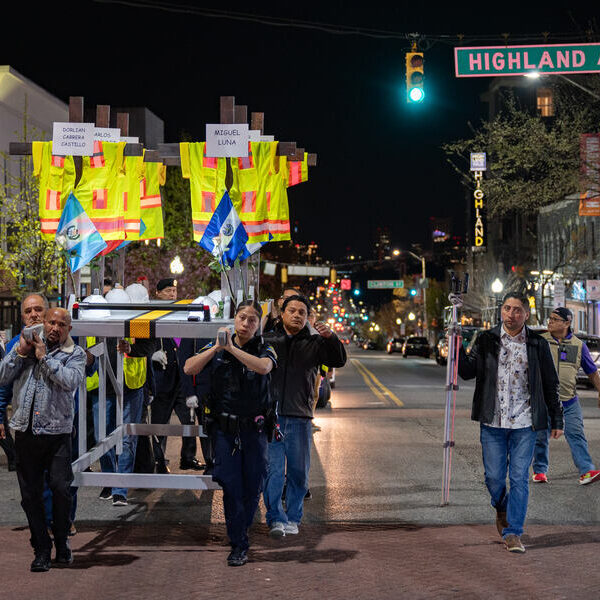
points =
(76, 115)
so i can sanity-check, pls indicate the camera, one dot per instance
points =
(29, 331)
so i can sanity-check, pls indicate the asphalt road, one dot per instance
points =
(376, 459)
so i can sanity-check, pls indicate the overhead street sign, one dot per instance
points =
(385, 284)
(480, 61)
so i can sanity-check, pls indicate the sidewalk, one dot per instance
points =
(358, 561)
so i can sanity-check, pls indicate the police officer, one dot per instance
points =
(241, 411)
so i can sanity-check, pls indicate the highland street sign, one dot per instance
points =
(479, 61)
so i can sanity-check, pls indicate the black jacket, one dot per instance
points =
(298, 357)
(482, 363)
(237, 390)
(166, 380)
(193, 385)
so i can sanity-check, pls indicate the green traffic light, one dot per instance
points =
(416, 94)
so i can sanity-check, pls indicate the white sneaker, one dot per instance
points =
(291, 528)
(277, 529)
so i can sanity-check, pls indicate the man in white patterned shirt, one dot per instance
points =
(516, 392)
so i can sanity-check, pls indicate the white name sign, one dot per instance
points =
(130, 140)
(254, 135)
(107, 134)
(227, 140)
(73, 139)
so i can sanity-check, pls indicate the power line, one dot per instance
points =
(422, 39)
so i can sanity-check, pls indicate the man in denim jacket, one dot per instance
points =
(45, 372)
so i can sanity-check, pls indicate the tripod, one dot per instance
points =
(457, 288)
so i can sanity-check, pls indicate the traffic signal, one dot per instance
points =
(413, 292)
(414, 77)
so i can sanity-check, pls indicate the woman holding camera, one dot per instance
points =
(241, 411)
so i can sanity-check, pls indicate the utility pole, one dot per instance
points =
(424, 289)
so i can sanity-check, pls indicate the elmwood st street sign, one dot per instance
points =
(491, 61)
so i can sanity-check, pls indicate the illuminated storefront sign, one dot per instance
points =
(479, 220)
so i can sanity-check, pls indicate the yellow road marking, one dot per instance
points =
(380, 390)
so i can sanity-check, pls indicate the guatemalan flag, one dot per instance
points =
(77, 234)
(225, 236)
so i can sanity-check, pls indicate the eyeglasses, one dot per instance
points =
(557, 320)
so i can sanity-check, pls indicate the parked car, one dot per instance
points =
(394, 345)
(369, 345)
(593, 344)
(417, 346)
(441, 351)
(469, 335)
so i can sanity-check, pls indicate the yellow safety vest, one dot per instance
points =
(134, 370)
(207, 183)
(56, 176)
(249, 187)
(155, 175)
(92, 382)
(128, 189)
(97, 189)
(298, 171)
(277, 200)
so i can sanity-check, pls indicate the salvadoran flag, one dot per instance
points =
(249, 249)
(225, 236)
(78, 235)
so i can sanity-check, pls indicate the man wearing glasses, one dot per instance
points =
(569, 353)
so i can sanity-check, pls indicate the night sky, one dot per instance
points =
(340, 96)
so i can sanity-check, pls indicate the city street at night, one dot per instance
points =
(374, 521)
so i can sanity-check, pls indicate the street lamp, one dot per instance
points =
(497, 287)
(176, 266)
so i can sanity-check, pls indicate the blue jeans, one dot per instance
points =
(575, 438)
(108, 461)
(241, 473)
(295, 450)
(133, 402)
(508, 450)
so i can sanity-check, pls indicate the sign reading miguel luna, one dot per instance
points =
(478, 166)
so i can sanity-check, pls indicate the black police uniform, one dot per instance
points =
(199, 386)
(169, 398)
(239, 398)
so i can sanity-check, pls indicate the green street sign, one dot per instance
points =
(385, 284)
(479, 61)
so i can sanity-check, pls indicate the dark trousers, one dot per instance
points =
(8, 444)
(241, 474)
(161, 409)
(37, 454)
